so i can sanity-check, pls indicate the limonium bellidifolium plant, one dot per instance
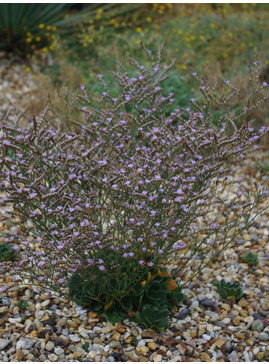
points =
(126, 191)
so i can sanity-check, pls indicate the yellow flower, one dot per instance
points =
(192, 37)
(38, 39)
(28, 40)
(100, 11)
(85, 44)
(41, 26)
(54, 28)
(138, 30)
(160, 11)
(116, 24)
(250, 44)
(224, 55)
(202, 37)
(212, 25)
(44, 49)
(187, 39)
(97, 16)
(48, 27)
(29, 34)
(183, 66)
(149, 19)
(230, 34)
(86, 37)
(179, 32)
(28, 69)
(53, 36)
(91, 21)
(91, 75)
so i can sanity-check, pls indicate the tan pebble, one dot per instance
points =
(116, 336)
(44, 297)
(244, 313)
(240, 336)
(222, 315)
(19, 355)
(93, 320)
(163, 348)
(8, 280)
(73, 324)
(148, 334)
(157, 358)
(92, 314)
(29, 356)
(76, 354)
(193, 333)
(242, 303)
(92, 354)
(62, 321)
(205, 357)
(128, 339)
(201, 331)
(219, 343)
(33, 333)
(44, 318)
(53, 357)
(152, 345)
(142, 349)
(236, 321)
(47, 336)
(121, 329)
(3, 309)
(13, 294)
(226, 306)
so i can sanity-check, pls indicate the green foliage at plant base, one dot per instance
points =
(23, 305)
(150, 298)
(229, 291)
(7, 253)
(85, 346)
(251, 258)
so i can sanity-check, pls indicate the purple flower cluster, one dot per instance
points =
(140, 184)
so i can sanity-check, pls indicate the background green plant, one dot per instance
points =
(250, 258)
(229, 291)
(7, 253)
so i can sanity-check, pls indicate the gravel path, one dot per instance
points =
(205, 327)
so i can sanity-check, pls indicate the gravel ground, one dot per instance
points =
(205, 327)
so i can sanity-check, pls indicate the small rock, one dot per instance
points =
(205, 357)
(115, 355)
(62, 322)
(25, 344)
(5, 301)
(4, 309)
(263, 336)
(83, 333)
(77, 354)
(45, 303)
(184, 313)
(53, 357)
(257, 325)
(19, 355)
(73, 324)
(207, 303)
(152, 345)
(157, 358)
(74, 338)
(58, 350)
(148, 334)
(116, 336)
(256, 316)
(49, 346)
(4, 343)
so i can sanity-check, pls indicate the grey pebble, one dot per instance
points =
(24, 344)
(184, 313)
(5, 301)
(256, 316)
(4, 343)
(207, 303)
(240, 241)
(263, 336)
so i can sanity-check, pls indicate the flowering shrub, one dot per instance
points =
(125, 192)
